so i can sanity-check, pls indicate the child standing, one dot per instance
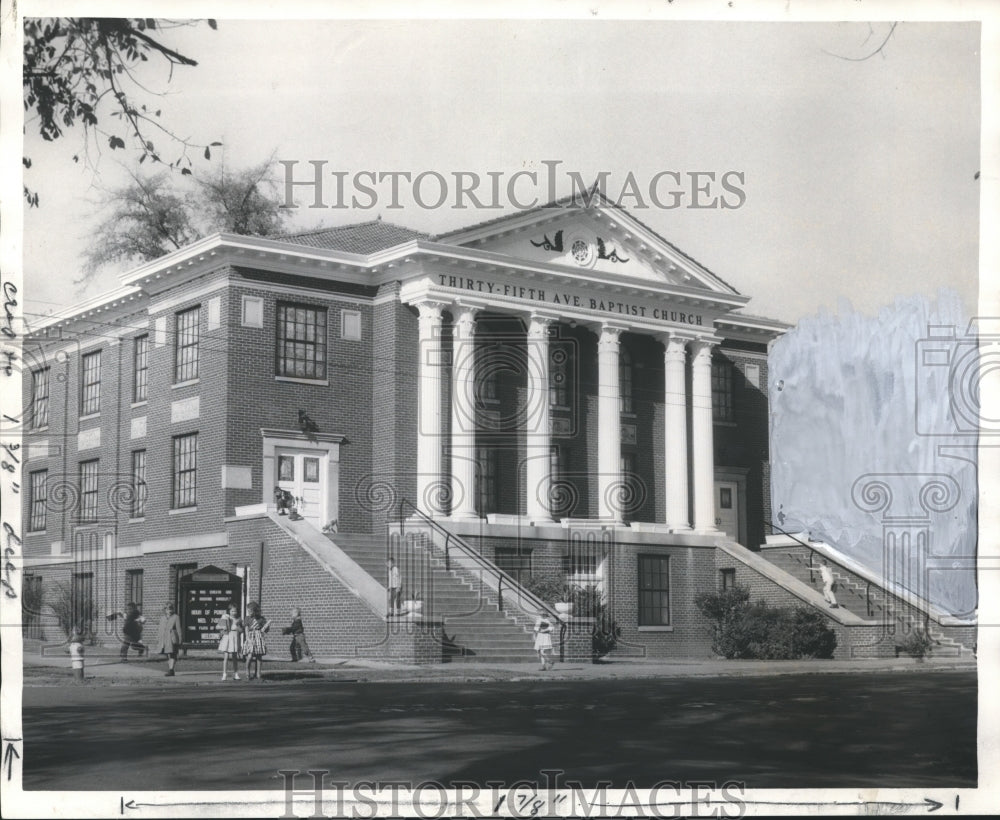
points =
(254, 646)
(299, 648)
(543, 641)
(229, 641)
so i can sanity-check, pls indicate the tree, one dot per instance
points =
(148, 219)
(150, 216)
(82, 70)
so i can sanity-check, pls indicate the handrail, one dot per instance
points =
(902, 595)
(468, 551)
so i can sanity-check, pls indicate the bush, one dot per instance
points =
(742, 630)
(917, 644)
(549, 588)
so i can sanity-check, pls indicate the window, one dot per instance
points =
(139, 489)
(654, 590)
(559, 377)
(133, 587)
(722, 391)
(310, 470)
(487, 374)
(301, 342)
(252, 313)
(82, 602)
(186, 345)
(185, 471)
(37, 496)
(40, 398)
(90, 384)
(140, 369)
(88, 491)
(350, 324)
(516, 562)
(487, 458)
(625, 379)
(727, 578)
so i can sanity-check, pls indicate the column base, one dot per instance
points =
(707, 531)
(681, 528)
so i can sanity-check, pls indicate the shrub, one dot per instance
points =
(742, 630)
(917, 643)
(549, 588)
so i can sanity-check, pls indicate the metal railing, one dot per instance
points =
(484, 565)
(886, 593)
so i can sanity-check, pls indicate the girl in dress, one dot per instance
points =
(229, 641)
(543, 641)
(254, 647)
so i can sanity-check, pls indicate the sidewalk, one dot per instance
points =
(53, 668)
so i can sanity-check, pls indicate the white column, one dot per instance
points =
(675, 432)
(703, 451)
(463, 413)
(609, 447)
(537, 427)
(430, 490)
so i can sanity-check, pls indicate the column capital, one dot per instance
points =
(464, 320)
(539, 324)
(702, 346)
(609, 335)
(430, 309)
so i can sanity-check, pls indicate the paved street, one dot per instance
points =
(895, 729)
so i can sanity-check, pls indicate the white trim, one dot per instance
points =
(317, 292)
(186, 542)
(182, 510)
(187, 383)
(170, 304)
(314, 382)
(247, 299)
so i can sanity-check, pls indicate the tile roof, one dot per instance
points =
(362, 237)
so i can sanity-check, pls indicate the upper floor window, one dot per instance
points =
(139, 490)
(140, 369)
(301, 341)
(88, 490)
(186, 345)
(625, 379)
(90, 384)
(40, 398)
(185, 471)
(722, 391)
(37, 498)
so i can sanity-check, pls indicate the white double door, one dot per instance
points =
(303, 473)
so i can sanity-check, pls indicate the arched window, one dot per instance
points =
(625, 379)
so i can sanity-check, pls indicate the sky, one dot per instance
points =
(859, 175)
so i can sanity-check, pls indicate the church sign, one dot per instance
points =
(205, 596)
(657, 310)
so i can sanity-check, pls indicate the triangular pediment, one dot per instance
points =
(600, 237)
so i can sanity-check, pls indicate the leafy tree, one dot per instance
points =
(152, 215)
(148, 219)
(81, 70)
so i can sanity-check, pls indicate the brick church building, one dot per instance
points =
(559, 394)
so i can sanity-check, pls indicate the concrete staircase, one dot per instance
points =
(474, 628)
(862, 597)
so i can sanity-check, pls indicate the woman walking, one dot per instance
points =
(229, 641)
(254, 646)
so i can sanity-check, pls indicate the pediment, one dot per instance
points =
(598, 238)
